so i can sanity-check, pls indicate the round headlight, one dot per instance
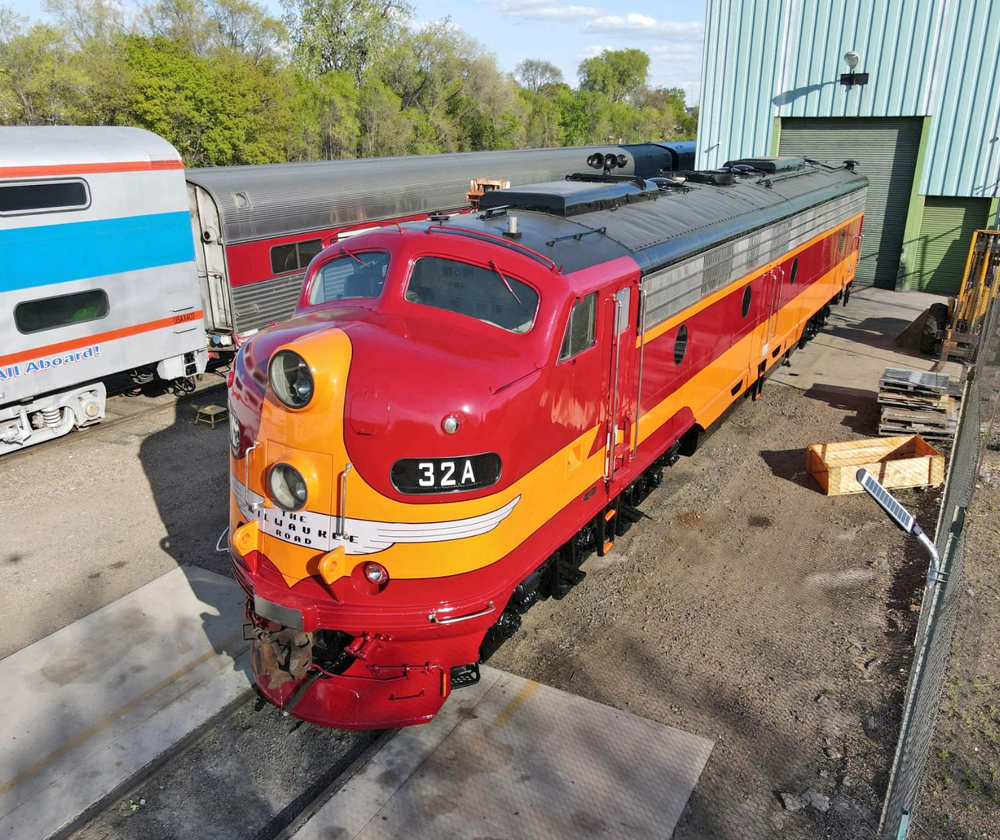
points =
(291, 380)
(288, 487)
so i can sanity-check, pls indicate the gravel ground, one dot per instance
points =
(753, 610)
(960, 798)
(93, 516)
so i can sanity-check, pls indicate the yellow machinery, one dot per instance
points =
(959, 327)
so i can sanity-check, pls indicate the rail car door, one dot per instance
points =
(775, 276)
(621, 303)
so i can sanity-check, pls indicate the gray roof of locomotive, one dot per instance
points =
(675, 224)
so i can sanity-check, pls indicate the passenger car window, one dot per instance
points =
(580, 327)
(352, 275)
(63, 311)
(294, 256)
(43, 197)
(485, 294)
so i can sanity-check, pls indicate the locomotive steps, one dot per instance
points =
(144, 709)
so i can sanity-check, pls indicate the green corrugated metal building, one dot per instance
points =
(925, 128)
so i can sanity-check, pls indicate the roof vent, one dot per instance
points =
(771, 165)
(571, 198)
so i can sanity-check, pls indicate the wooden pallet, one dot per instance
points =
(905, 381)
(903, 461)
(918, 402)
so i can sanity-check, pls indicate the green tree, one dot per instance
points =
(618, 74)
(39, 83)
(535, 74)
(344, 34)
(385, 129)
(246, 28)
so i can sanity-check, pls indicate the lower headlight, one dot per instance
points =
(288, 487)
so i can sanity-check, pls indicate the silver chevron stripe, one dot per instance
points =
(319, 530)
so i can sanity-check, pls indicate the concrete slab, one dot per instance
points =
(94, 704)
(858, 343)
(512, 758)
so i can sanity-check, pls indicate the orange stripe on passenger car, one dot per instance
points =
(88, 168)
(111, 335)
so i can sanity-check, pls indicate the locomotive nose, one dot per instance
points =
(294, 475)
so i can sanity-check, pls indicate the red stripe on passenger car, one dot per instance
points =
(88, 168)
(111, 335)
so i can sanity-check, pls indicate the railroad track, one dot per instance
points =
(79, 435)
(249, 773)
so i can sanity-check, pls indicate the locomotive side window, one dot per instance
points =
(580, 328)
(680, 344)
(63, 311)
(843, 239)
(354, 275)
(745, 306)
(43, 197)
(795, 270)
(294, 255)
(485, 294)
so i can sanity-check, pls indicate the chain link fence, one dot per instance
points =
(942, 601)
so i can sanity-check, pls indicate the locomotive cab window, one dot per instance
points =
(62, 311)
(294, 256)
(353, 275)
(485, 294)
(580, 328)
(43, 197)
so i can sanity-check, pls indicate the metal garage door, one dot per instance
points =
(886, 151)
(945, 235)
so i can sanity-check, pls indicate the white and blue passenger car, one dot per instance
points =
(97, 274)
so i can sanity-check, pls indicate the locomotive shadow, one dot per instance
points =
(190, 491)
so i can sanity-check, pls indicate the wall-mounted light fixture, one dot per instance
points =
(850, 79)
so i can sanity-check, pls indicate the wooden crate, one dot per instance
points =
(903, 461)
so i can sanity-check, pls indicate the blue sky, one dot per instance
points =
(565, 31)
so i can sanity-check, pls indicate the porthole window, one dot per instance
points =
(795, 270)
(745, 306)
(680, 344)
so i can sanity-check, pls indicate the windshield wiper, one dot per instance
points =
(504, 280)
(354, 256)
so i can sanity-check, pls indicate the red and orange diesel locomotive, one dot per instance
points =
(459, 413)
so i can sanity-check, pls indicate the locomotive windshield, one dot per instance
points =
(485, 294)
(353, 275)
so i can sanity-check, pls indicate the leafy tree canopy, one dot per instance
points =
(227, 83)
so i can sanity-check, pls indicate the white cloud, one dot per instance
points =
(643, 26)
(544, 10)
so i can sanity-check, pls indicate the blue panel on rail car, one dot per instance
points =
(48, 254)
